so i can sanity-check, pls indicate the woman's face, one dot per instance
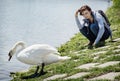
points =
(86, 14)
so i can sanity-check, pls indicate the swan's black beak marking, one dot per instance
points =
(9, 56)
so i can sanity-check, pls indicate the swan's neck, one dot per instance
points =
(18, 47)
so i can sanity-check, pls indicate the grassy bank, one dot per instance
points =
(81, 55)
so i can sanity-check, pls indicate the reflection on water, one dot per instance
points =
(36, 21)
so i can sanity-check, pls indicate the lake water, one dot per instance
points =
(37, 21)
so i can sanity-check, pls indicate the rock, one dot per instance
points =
(118, 39)
(101, 52)
(108, 64)
(117, 50)
(78, 75)
(109, 76)
(55, 77)
(86, 66)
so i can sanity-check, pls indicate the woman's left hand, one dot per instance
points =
(76, 14)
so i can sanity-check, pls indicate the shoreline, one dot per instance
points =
(63, 48)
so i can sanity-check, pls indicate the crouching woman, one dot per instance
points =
(93, 26)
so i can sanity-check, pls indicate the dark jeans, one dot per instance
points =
(91, 33)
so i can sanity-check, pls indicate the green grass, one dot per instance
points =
(76, 49)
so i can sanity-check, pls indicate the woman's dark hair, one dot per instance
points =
(83, 8)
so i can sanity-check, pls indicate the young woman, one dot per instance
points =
(94, 26)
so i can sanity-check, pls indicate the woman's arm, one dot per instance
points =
(101, 31)
(80, 26)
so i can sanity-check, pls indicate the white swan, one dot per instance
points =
(38, 54)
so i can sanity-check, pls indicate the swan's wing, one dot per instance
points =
(44, 48)
(40, 50)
